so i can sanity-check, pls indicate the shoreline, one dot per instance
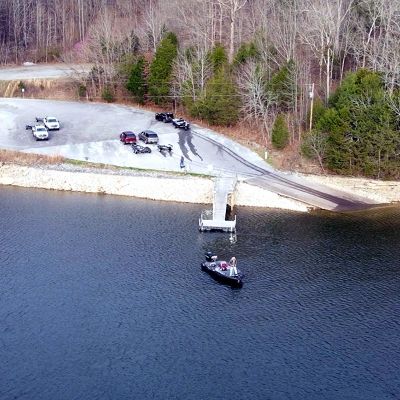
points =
(178, 188)
(148, 185)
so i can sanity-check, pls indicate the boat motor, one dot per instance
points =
(210, 257)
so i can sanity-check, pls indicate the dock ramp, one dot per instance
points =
(215, 219)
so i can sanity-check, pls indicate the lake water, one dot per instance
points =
(102, 297)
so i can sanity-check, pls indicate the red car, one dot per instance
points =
(128, 137)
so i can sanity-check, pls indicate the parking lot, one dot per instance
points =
(90, 132)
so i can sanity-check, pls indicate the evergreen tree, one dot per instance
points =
(246, 51)
(280, 132)
(219, 105)
(361, 128)
(283, 86)
(136, 82)
(218, 58)
(161, 68)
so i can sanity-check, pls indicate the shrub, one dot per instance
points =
(108, 95)
(81, 90)
(53, 54)
(280, 132)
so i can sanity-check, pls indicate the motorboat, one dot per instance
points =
(225, 272)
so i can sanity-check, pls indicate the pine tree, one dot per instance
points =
(161, 69)
(283, 86)
(361, 127)
(218, 58)
(220, 103)
(137, 83)
(280, 132)
(246, 51)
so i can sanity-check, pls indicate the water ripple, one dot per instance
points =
(103, 297)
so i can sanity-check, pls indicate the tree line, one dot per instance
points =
(260, 62)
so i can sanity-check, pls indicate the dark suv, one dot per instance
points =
(149, 137)
(164, 116)
(128, 137)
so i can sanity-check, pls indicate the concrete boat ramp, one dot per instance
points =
(290, 186)
(310, 193)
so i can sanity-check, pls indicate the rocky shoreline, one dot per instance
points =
(176, 187)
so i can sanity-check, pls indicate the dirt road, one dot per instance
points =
(40, 71)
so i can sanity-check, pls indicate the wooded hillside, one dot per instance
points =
(237, 60)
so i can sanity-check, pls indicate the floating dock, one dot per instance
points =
(224, 188)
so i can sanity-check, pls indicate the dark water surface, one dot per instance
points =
(102, 297)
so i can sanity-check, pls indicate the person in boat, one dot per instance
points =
(232, 266)
(233, 262)
(223, 266)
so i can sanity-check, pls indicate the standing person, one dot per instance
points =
(182, 163)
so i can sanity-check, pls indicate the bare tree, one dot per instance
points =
(191, 74)
(317, 143)
(322, 22)
(388, 60)
(233, 7)
(275, 23)
(258, 104)
(154, 23)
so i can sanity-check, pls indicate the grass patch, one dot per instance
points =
(32, 160)
(93, 165)
(20, 158)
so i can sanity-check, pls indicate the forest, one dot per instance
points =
(318, 76)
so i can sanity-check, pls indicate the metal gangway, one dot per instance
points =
(216, 220)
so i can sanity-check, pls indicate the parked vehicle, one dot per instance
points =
(149, 137)
(39, 132)
(51, 123)
(181, 123)
(128, 137)
(138, 149)
(164, 116)
(164, 148)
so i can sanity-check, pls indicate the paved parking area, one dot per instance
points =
(90, 131)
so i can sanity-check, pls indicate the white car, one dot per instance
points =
(51, 123)
(39, 132)
(180, 123)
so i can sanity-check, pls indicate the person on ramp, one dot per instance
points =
(182, 163)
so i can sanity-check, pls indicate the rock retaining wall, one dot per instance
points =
(187, 189)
